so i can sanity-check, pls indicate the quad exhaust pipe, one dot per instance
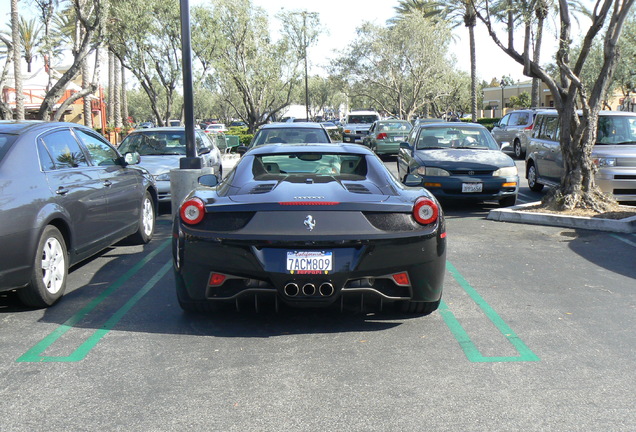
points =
(326, 289)
(292, 289)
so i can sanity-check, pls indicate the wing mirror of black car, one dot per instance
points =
(132, 158)
(413, 180)
(209, 180)
(204, 150)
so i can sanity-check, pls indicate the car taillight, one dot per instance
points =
(382, 135)
(425, 211)
(192, 211)
(528, 127)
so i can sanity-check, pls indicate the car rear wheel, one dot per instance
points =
(146, 227)
(519, 153)
(532, 179)
(418, 308)
(50, 271)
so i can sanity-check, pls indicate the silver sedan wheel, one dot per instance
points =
(147, 217)
(53, 265)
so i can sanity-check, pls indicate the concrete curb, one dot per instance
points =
(517, 215)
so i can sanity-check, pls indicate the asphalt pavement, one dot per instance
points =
(535, 333)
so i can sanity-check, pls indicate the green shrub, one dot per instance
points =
(241, 132)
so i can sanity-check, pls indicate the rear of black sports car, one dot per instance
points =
(311, 244)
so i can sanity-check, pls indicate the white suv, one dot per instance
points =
(357, 125)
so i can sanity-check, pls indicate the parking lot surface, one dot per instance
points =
(535, 332)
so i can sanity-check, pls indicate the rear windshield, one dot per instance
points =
(362, 118)
(313, 164)
(5, 144)
(291, 136)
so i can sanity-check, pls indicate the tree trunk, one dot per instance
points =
(17, 60)
(124, 97)
(111, 88)
(117, 92)
(473, 73)
(88, 114)
(535, 97)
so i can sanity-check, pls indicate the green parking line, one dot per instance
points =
(471, 351)
(34, 354)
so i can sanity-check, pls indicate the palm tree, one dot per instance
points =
(47, 11)
(455, 12)
(17, 69)
(30, 33)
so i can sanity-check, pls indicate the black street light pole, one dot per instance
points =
(191, 161)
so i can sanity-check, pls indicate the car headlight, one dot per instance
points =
(432, 171)
(505, 172)
(604, 162)
(163, 177)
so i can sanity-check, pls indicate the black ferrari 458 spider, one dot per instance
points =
(309, 225)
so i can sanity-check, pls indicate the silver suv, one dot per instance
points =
(614, 154)
(515, 128)
(357, 125)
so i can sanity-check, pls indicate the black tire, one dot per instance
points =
(532, 179)
(418, 308)
(49, 273)
(147, 216)
(508, 201)
(516, 146)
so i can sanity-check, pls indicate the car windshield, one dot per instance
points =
(290, 165)
(290, 136)
(154, 143)
(616, 130)
(455, 137)
(5, 144)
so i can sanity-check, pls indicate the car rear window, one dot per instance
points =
(154, 143)
(362, 119)
(6, 141)
(303, 164)
(291, 136)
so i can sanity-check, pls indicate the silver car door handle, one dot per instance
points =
(61, 191)
(108, 183)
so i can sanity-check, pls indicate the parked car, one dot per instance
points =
(614, 154)
(215, 128)
(385, 136)
(162, 148)
(357, 124)
(309, 225)
(288, 133)
(515, 128)
(66, 195)
(458, 161)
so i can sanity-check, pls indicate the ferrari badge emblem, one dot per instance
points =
(310, 223)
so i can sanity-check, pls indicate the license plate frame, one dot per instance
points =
(474, 187)
(309, 262)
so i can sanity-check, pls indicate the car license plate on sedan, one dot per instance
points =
(472, 187)
(309, 262)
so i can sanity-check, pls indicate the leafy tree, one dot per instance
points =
(578, 133)
(150, 47)
(521, 101)
(256, 75)
(396, 69)
(30, 34)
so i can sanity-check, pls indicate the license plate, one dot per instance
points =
(309, 262)
(472, 187)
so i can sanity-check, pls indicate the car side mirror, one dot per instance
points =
(413, 180)
(132, 158)
(504, 145)
(209, 180)
(241, 150)
(204, 150)
(405, 145)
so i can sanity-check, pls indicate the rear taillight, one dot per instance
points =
(382, 135)
(192, 211)
(528, 127)
(425, 211)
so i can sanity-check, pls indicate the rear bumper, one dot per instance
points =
(359, 268)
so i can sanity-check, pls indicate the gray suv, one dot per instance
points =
(515, 128)
(614, 154)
